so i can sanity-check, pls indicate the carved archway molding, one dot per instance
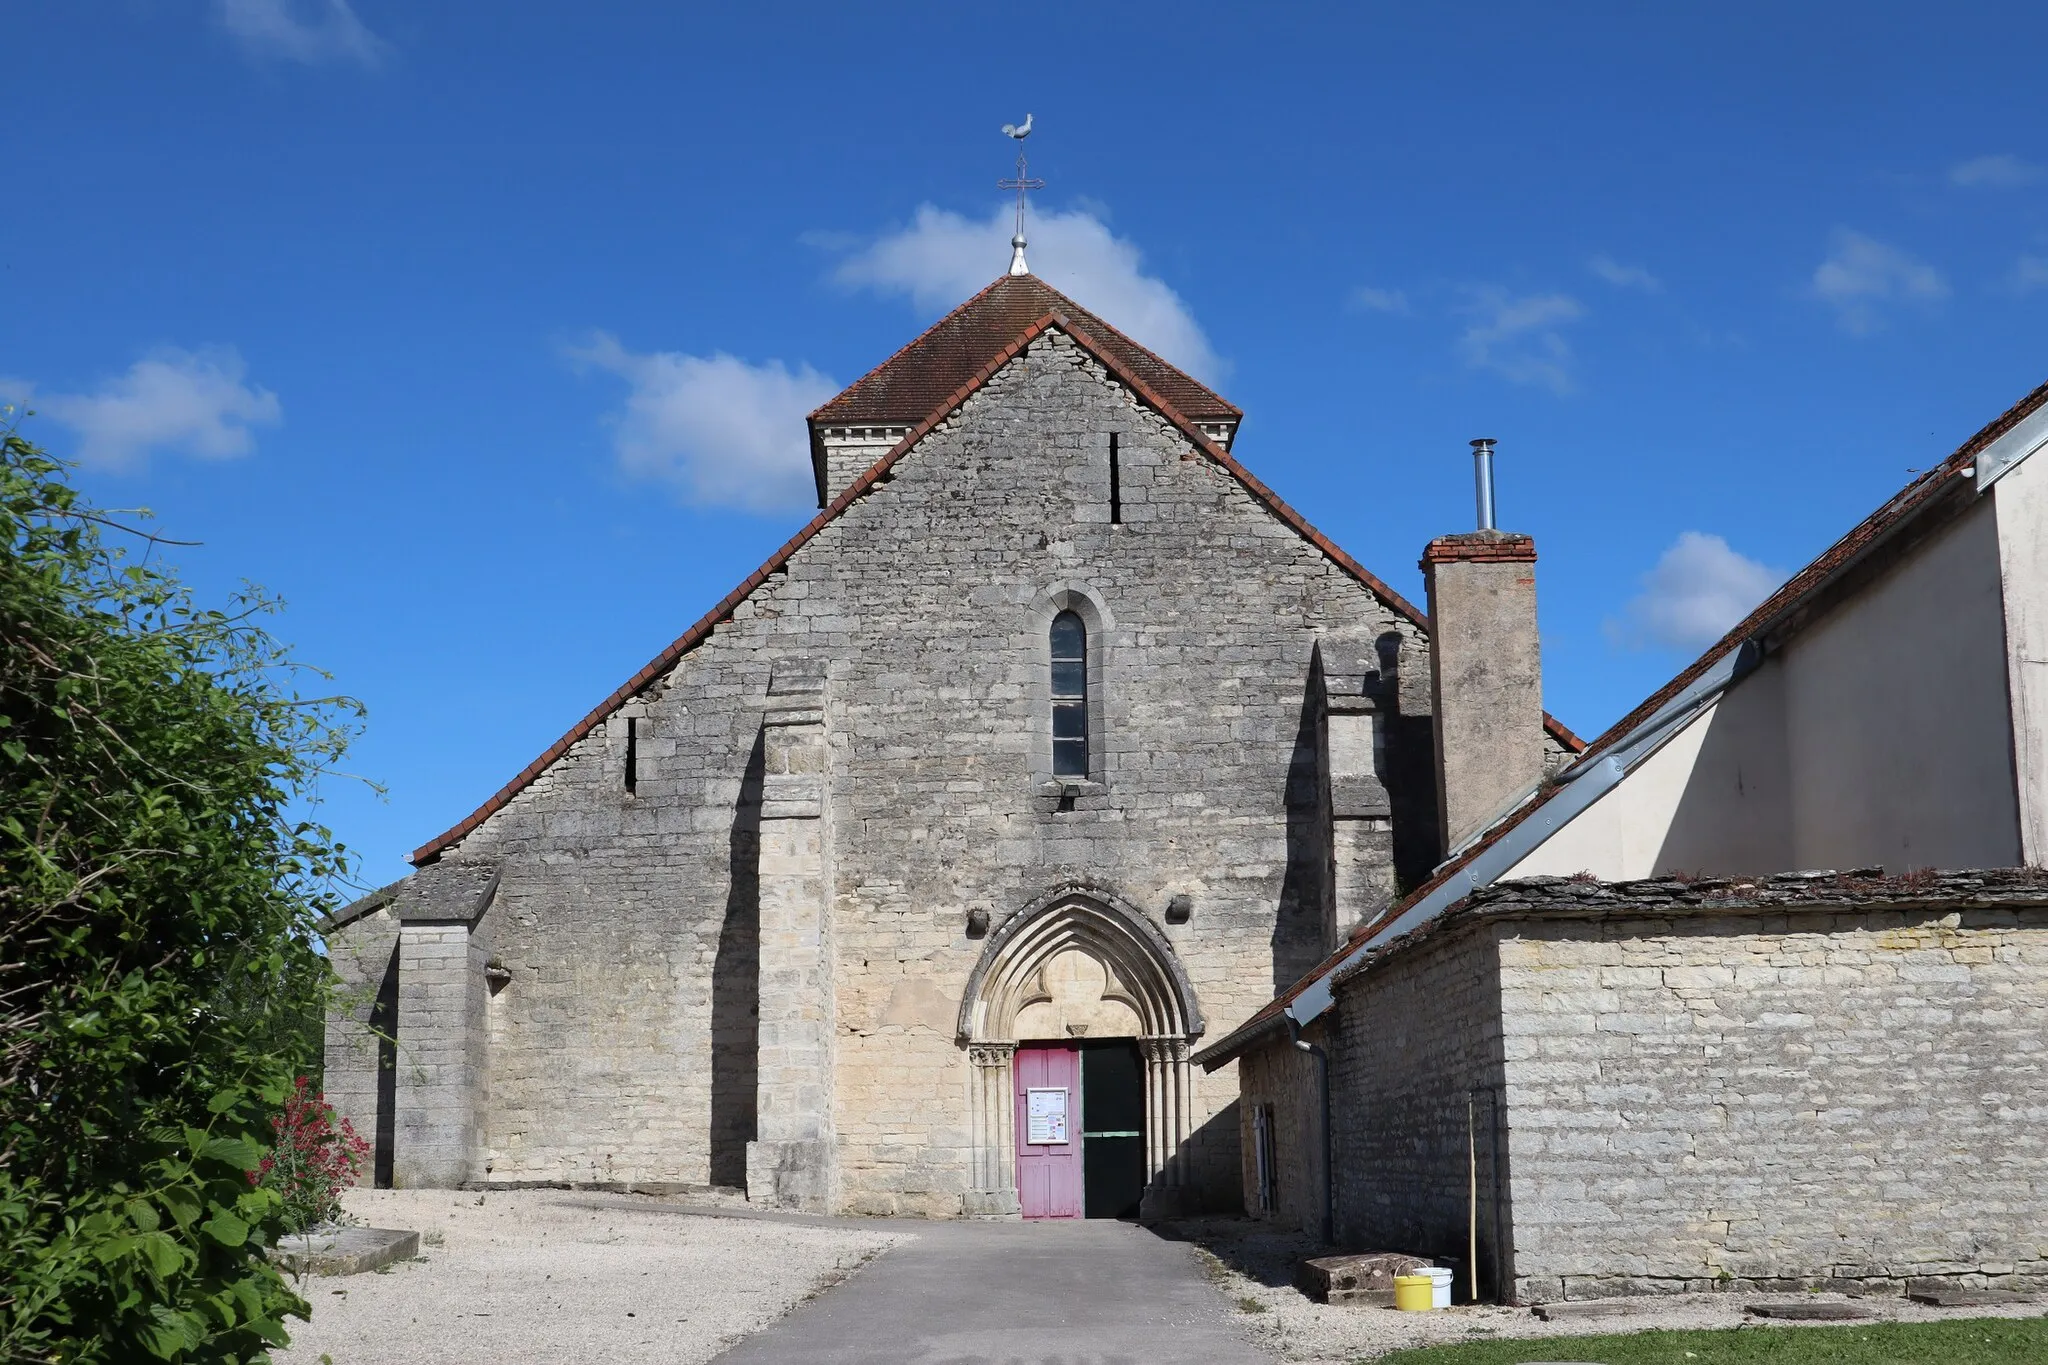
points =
(1096, 920)
(1145, 973)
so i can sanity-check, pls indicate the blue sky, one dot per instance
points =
(482, 334)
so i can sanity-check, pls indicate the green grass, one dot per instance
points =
(1965, 1341)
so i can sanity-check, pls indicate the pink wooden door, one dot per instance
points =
(1049, 1110)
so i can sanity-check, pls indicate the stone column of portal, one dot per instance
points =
(993, 1096)
(791, 1162)
(1169, 1101)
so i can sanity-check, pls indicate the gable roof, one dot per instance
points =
(1602, 764)
(946, 405)
(904, 389)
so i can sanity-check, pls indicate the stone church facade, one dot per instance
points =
(1054, 733)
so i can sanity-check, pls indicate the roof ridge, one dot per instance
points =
(903, 387)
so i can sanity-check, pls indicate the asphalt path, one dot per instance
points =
(999, 1293)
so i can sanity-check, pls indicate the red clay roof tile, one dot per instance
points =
(905, 388)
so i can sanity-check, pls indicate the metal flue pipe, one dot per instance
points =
(1482, 480)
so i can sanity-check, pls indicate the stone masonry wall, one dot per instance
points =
(1723, 1099)
(359, 1069)
(1415, 1072)
(441, 1089)
(629, 922)
(1283, 1078)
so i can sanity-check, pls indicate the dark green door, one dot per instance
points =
(1113, 1128)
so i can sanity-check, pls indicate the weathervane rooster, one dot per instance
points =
(1021, 184)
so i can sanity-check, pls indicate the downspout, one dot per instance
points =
(1329, 1167)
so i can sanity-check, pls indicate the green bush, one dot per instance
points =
(157, 959)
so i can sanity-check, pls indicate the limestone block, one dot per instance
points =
(1365, 1277)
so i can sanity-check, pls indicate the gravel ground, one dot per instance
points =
(558, 1275)
(1256, 1267)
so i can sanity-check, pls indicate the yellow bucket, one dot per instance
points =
(1414, 1293)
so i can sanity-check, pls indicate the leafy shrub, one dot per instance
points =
(157, 959)
(313, 1159)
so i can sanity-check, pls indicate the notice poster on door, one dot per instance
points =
(1045, 1117)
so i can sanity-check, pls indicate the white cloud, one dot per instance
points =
(942, 258)
(308, 31)
(190, 401)
(2002, 171)
(721, 432)
(1518, 339)
(1861, 273)
(1367, 299)
(1625, 276)
(2028, 274)
(1698, 590)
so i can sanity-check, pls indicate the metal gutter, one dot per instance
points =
(2003, 455)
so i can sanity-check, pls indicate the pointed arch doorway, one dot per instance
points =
(1078, 973)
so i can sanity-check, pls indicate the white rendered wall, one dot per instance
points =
(1899, 733)
(2020, 502)
(1712, 800)
(1880, 735)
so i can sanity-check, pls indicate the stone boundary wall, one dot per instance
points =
(1822, 1079)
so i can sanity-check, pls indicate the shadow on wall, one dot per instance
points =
(736, 989)
(1215, 1163)
(384, 1029)
(1735, 812)
(1302, 928)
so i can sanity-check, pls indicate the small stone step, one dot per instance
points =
(1581, 1309)
(1812, 1311)
(344, 1251)
(1968, 1298)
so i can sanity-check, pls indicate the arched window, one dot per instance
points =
(1069, 696)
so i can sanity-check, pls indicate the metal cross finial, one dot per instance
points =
(1022, 183)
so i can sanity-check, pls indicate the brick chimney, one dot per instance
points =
(1486, 674)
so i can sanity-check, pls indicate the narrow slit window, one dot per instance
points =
(1069, 696)
(1116, 485)
(632, 752)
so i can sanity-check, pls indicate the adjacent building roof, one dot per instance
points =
(1127, 362)
(1672, 897)
(2016, 434)
(903, 390)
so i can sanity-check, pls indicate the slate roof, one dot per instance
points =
(903, 389)
(1111, 356)
(1781, 614)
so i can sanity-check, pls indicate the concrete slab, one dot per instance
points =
(1969, 1298)
(344, 1251)
(1579, 1310)
(1819, 1311)
(986, 1291)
